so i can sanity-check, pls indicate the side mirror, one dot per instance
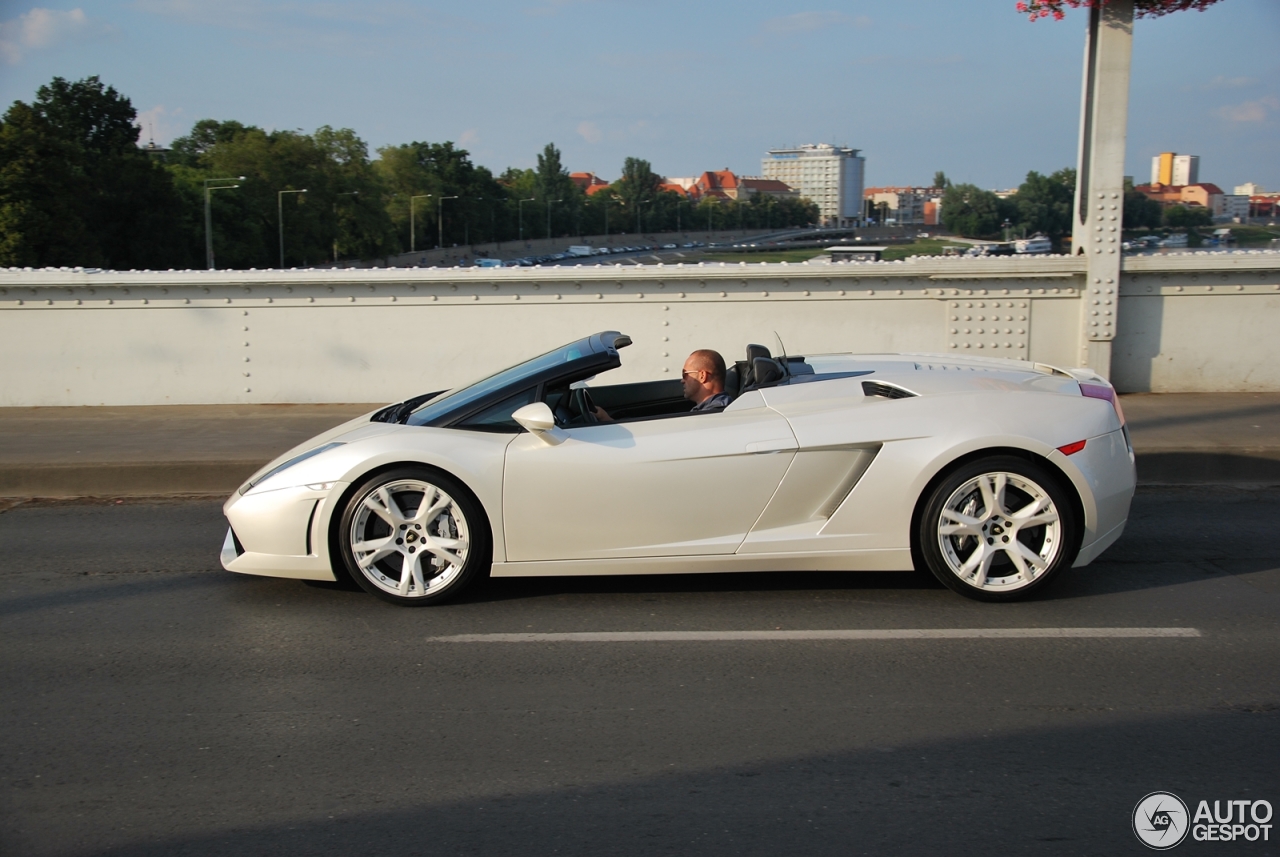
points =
(538, 419)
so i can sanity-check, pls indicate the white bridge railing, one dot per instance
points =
(1184, 322)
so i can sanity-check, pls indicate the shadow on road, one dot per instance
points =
(1057, 790)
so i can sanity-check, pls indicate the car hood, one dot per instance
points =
(351, 431)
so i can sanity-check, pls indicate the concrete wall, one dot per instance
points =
(1187, 322)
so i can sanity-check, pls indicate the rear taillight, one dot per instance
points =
(1103, 391)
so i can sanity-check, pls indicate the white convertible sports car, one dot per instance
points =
(993, 474)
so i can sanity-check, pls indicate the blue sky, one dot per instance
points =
(965, 86)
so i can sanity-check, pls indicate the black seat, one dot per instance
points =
(765, 372)
(746, 371)
(733, 381)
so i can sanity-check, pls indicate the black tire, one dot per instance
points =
(447, 549)
(1023, 551)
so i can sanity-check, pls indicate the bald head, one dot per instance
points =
(703, 375)
(709, 361)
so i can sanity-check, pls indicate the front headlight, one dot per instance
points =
(311, 453)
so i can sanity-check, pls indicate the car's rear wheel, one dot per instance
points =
(414, 536)
(998, 528)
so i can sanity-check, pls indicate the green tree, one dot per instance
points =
(341, 214)
(1140, 210)
(1185, 216)
(553, 183)
(438, 169)
(972, 212)
(637, 189)
(41, 221)
(1043, 203)
(940, 180)
(78, 190)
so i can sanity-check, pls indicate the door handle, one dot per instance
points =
(774, 445)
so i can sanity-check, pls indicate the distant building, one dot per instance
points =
(829, 176)
(725, 184)
(1249, 189)
(911, 205)
(1265, 205)
(1235, 206)
(588, 183)
(1202, 194)
(1186, 169)
(716, 183)
(1170, 168)
(157, 153)
(759, 186)
(1208, 195)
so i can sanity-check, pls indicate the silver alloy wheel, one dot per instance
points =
(409, 538)
(999, 532)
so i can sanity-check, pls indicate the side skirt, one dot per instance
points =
(869, 560)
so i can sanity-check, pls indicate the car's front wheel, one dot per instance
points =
(413, 536)
(998, 528)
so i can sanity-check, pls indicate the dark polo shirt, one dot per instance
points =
(713, 404)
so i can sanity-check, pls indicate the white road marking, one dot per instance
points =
(858, 634)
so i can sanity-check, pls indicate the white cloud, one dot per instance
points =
(469, 137)
(160, 124)
(1249, 111)
(590, 132)
(37, 29)
(807, 22)
(1224, 82)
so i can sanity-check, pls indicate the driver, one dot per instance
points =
(703, 381)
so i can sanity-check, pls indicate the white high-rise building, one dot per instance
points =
(1186, 169)
(829, 176)
(1170, 168)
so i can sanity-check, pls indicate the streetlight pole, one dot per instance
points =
(440, 220)
(335, 223)
(208, 215)
(412, 236)
(549, 202)
(280, 217)
(520, 214)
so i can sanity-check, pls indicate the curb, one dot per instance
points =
(1186, 467)
(115, 479)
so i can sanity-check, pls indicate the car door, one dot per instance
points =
(680, 486)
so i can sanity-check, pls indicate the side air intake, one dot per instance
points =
(885, 391)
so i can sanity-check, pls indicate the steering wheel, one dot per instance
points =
(583, 407)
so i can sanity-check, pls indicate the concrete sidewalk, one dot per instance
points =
(1182, 438)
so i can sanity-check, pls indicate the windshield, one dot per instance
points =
(462, 396)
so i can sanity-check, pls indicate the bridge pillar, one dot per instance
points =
(1099, 201)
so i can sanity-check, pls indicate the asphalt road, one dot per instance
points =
(154, 704)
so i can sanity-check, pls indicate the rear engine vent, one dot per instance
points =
(885, 391)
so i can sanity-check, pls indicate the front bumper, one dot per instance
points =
(281, 533)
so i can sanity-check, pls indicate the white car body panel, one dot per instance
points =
(812, 475)
(684, 486)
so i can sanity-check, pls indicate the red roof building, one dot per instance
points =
(588, 183)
